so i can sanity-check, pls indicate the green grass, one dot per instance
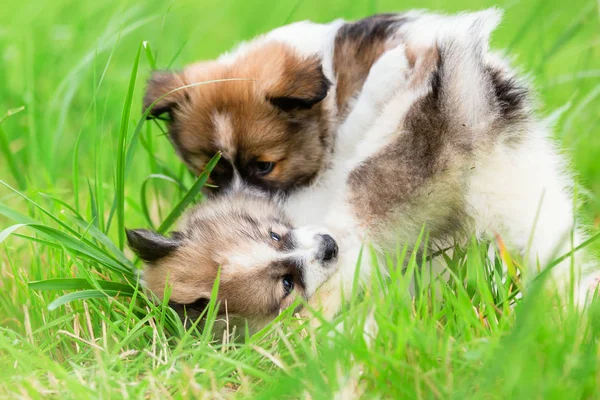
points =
(83, 167)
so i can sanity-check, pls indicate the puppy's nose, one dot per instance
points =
(329, 248)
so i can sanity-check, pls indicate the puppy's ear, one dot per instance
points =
(192, 310)
(151, 246)
(301, 85)
(159, 84)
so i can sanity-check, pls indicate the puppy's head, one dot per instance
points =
(265, 262)
(270, 125)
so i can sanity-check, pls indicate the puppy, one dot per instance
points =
(276, 127)
(443, 136)
(460, 151)
(264, 261)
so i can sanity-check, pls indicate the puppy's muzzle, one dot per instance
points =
(328, 248)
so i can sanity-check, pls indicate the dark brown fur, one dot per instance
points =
(357, 46)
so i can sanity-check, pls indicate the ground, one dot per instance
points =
(72, 76)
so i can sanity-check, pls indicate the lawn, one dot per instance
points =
(77, 165)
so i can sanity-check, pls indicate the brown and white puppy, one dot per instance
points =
(275, 127)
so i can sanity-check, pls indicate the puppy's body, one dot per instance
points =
(461, 153)
(440, 134)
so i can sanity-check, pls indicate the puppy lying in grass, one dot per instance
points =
(442, 135)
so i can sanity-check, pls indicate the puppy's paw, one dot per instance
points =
(388, 75)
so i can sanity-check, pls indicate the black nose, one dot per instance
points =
(329, 248)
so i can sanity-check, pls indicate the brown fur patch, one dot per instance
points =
(402, 173)
(422, 62)
(274, 115)
(357, 46)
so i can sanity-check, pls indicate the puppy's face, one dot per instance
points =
(270, 126)
(265, 262)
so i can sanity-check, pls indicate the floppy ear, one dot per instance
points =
(192, 310)
(151, 246)
(159, 84)
(301, 85)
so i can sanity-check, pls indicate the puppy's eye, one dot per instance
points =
(288, 283)
(275, 236)
(262, 168)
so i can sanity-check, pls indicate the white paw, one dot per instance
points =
(389, 74)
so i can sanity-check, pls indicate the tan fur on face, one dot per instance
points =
(234, 235)
(240, 119)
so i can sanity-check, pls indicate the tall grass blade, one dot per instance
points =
(84, 295)
(17, 173)
(144, 198)
(8, 231)
(121, 152)
(78, 284)
(149, 55)
(20, 218)
(190, 195)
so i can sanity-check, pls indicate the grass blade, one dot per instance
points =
(143, 196)
(78, 284)
(81, 247)
(74, 239)
(8, 231)
(120, 181)
(17, 172)
(100, 237)
(84, 295)
(190, 195)
(149, 55)
(75, 244)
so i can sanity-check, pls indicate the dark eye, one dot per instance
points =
(263, 167)
(288, 283)
(275, 236)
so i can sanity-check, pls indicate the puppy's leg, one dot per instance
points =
(522, 195)
(388, 75)
(330, 297)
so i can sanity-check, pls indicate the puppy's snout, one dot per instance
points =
(329, 248)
